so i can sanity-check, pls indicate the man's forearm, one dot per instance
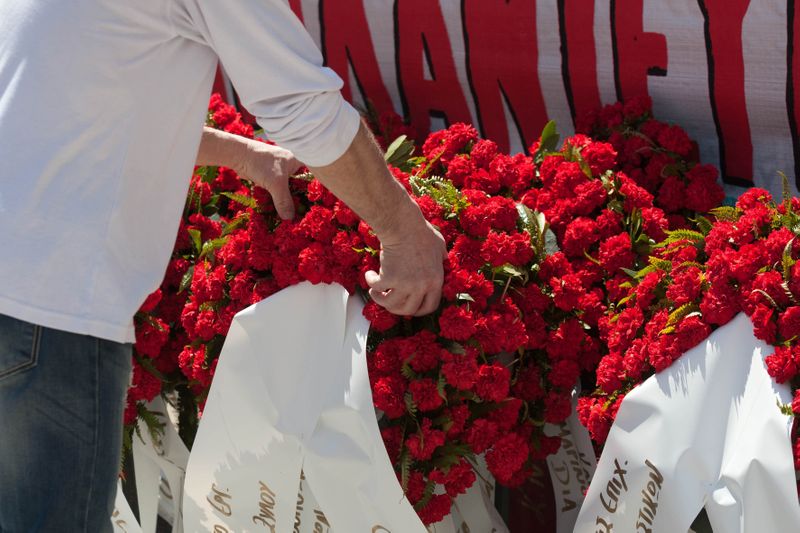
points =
(361, 179)
(220, 148)
(412, 251)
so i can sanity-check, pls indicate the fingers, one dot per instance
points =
(401, 299)
(429, 304)
(282, 198)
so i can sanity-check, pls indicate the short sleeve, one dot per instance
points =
(277, 71)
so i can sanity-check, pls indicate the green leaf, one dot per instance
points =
(703, 224)
(548, 141)
(408, 372)
(247, 201)
(787, 262)
(441, 190)
(208, 173)
(527, 219)
(626, 299)
(787, 192)
(399, 153)
(727, 213)
(769, 298)
(684, 234)
(427, 494)
(645, 271)
(196, 237)
(511, 270)
(405, 461)
(186, 280)
(152, 422)
(211, 246)
(550, 137)
(242, 219)
(440, 388)
(785, 408)
(411, 407)
(681, 312)
(592, 259)
(661, 264)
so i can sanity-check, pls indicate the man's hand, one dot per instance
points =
(412, 251)
(269, 167)
(410, 278)
(265, 165)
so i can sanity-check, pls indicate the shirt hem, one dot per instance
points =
(64, 322)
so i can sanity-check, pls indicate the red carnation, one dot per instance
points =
(564, 373)
(379, 318)
(493, 382)
(579, 236)
(457, 323)
(557, 407)
(616, 253)
(422, 446)
(783, 364)
(425, 394)
(481, 434)
(764, 326)
(388, 395)
(507, 456)
(460, 371)
(789, 323)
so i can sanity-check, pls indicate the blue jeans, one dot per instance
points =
(61, 403)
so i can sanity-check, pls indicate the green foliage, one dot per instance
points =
(726, 213)
(207, 174)
(787, 261)
(186, 280)
(442, 191)
(427, 494)
(660, 264)
(240, 220)
(247, 201)
(399, 153)
(548, 141)
(681, 312)
(197, 240)
(703, 224)
(408, 372)
(785, 408)
(411, 407)
(405, 461)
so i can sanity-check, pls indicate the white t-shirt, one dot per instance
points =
(102, 104)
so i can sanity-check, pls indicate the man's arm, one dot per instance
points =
(265, 165)
(412, 251)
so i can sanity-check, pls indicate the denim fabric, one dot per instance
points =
(61, 404)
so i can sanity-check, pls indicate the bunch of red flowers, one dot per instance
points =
(473, 378)
(696, 281)
(658, 156)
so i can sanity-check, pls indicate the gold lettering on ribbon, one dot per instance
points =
(650, 493)
(220, 529)
(219, 500)
(378, 529)
(266, 507)
(119, 523)
(321, 524)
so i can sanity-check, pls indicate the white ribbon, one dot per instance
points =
(571, 468)
(291, 392)
(122, 519)
(706, 431)
(155, 461)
